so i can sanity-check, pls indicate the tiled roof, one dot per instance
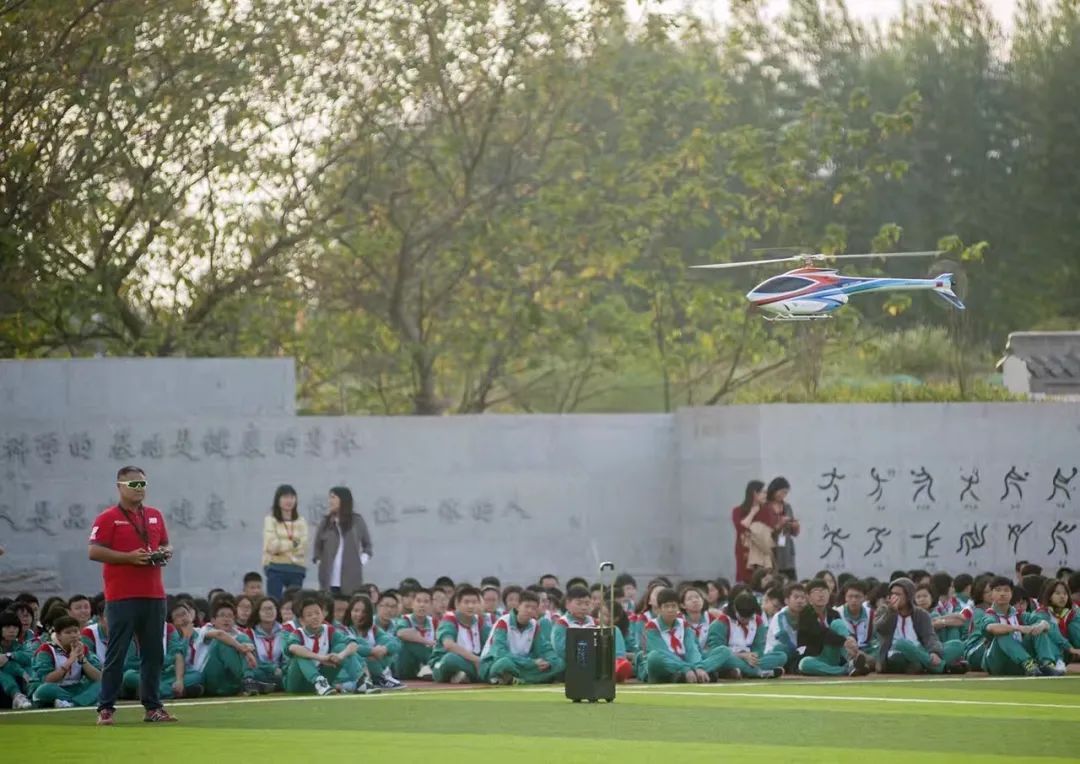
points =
(1052, 359)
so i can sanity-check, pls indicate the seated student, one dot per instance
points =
(489, 603)
(225, 656)
(697, 617)
(944, 608)
(376, 647)
(740, 629)
(627, 654)
(626, 591)
(644, 611)
(578, 608)
(596, 596)
(176, 681)
(178, 670)
(671, 652)
(269, 639)
(552, 604)
(386, 615)
(81, 609)
(66, 674)
(16, 662)
(907, 642)
(771, 604)
(96, 637)
(511, 596)
(55, 610)
(782, 637)
(33, 608)
(440, 603)
(318, 655)
(253, 585)
(859, 617)
(341, 608)
(459, 639)
(416, 632)
(549, 581)
(1074, 587)
(1015, 645)
(1057, 607)
(827, 646)
(962, 590)
(717, 595)
(515, 651)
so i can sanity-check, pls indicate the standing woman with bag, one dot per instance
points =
(285, 540)
(342, 545)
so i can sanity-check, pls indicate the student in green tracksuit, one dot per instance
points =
(269, 638)
(377, 648)
(627, 654)
(782, 637)
(224, 655)
(66, 674)
(1015, 645)
(416, 632)
(578, 606)
(859, 616)
(16, 662)
(459, 640)
(173, 684)
(322, 659)
(671, 650)
(827, 646)
(944, 608)
(515, 652)
(907, 642)
(741, 629)
(1057, 607)
(179, 665)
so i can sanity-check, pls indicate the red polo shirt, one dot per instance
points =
(113, 529)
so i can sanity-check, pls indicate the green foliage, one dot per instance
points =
(939, 392)
(459, 207)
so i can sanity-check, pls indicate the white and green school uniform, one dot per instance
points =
(511, 650)
(74, 687)
(559, 625)
(172, 644)
(1014, 654)
(700, 628)
(414, 655)
(367, 640)
(301, 673)
(223, 668)
(670, 651)
(468, 633)
(270, 652)
(944, 607)
(1065, 622)
(15, 675)
(637, 627)
(782, 635)
(727, 633)
(861, 626)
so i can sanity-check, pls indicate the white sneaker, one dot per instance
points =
(1060, 665)
(20, 702)
(424, 672)
(459, 678)
(322, 687)
(387, 682)
(64, 704)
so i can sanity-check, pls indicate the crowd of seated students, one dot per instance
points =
(372, 641)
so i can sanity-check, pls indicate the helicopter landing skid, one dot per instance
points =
(797, 318)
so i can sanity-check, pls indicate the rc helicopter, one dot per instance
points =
(812, 292)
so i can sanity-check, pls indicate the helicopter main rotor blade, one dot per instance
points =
(748, 263)
(871, 255)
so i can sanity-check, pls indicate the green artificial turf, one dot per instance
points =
(867, 722)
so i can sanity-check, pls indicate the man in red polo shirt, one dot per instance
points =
(131, 540)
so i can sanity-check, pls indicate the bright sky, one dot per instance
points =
(866, 10)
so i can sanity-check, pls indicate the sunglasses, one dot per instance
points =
(137, 484)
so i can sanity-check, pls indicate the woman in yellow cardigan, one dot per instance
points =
(285, 543)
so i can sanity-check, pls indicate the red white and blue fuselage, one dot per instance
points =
(809, 292)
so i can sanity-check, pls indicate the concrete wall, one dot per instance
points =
(518, 495)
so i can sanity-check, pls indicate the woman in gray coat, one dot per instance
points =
(342, 545)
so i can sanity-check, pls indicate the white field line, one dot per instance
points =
(866, 698)
(273, 699)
